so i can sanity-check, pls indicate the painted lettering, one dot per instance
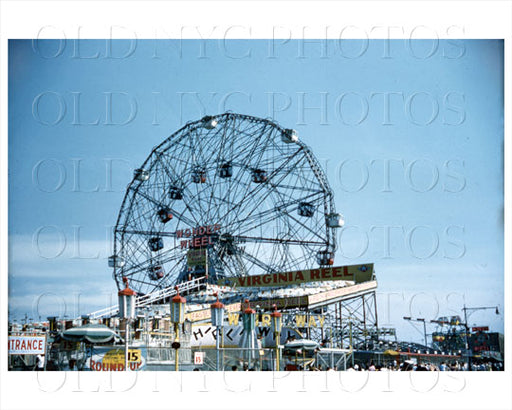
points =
(299, 276)
(233, 319)
(265, 319)
(300, 321)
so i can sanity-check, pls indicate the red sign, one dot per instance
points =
(199, 358)
(197, 237)
(480, 329)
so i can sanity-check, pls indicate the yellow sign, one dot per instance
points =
(113, 360)
(356, 273)
(116, 356)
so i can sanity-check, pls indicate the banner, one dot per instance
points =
(356, 273)
(27, 344)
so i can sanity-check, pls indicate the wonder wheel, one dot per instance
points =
(228, 195)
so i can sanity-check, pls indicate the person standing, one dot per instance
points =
(39, 362)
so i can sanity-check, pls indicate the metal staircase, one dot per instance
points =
(153, 297)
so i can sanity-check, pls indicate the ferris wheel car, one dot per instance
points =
(259, 176)
(165, 215)
(140, 174)
(176, 193)
(199, 176)
(325, 258)
(306, 209)
(289, 136)
(115, 261)
(156, 243)
(335, 220)
(156, 272)
(226, 170)
(209, 122)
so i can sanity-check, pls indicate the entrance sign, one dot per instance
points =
(357, 273)
(27, 344)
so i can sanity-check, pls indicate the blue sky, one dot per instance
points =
(410, 135)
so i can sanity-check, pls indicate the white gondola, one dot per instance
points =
(335, 221)
(115, 261)
(210, 122)
(289, 136)
(140, 174)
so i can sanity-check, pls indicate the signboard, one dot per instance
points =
(480, 329)
(204, 337)
(481, 342)
(204, 314)
(112, 359)
(289, 320)
(196, 257)
(356, 273)
(199, 237)
(27, 344)
(199, 358)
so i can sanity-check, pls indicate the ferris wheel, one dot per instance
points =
(229, 195)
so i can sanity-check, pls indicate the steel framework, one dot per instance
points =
(241, 189)
(355, 322)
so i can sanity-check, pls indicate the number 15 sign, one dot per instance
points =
(199, 358)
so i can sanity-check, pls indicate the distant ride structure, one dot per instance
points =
(226, 196)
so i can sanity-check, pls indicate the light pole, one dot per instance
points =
(146, 327)
(474, 309)
(127, 312)
(248, 340)
(420, 319)
(276, 329)
(217, 319)
(178, 304)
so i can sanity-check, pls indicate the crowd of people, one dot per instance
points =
(410, 365)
